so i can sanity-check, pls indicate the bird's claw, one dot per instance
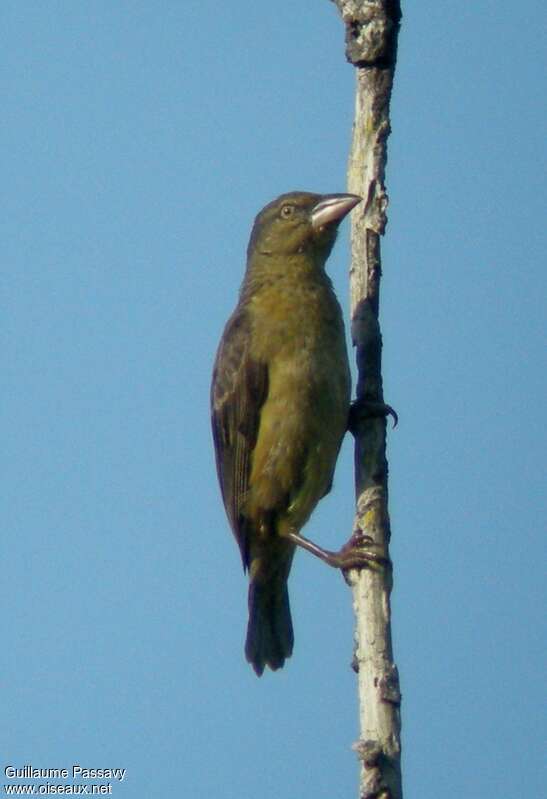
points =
(365, 409)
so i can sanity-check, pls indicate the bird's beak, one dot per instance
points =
(333, 208)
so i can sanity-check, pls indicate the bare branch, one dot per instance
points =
(371, 45)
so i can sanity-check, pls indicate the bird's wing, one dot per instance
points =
(238, 391)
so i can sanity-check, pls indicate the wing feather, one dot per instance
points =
(238, 391)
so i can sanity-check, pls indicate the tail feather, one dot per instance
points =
(270, 636)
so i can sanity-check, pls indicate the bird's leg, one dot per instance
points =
(363, 409)
(358, 553)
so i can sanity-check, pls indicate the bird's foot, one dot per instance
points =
(362, 552)
(358, 553)
(365, 409)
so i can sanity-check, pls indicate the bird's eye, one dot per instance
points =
(287, 211)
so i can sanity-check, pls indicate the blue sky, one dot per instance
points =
(138, 142)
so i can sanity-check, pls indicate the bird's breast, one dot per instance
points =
(300, 335)
(298, 331)
(297, 320)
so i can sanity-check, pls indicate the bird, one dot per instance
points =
(280, 402)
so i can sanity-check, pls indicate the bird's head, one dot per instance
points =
(300, 222)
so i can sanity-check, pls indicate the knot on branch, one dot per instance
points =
(389, 686)
(368, 751)
(371, 31)
(375, 761)
(376, 206)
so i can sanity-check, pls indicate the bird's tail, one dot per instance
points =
(269, 632)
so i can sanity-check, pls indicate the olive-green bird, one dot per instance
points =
(280, 401)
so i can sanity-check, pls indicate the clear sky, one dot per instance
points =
(138, 141)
